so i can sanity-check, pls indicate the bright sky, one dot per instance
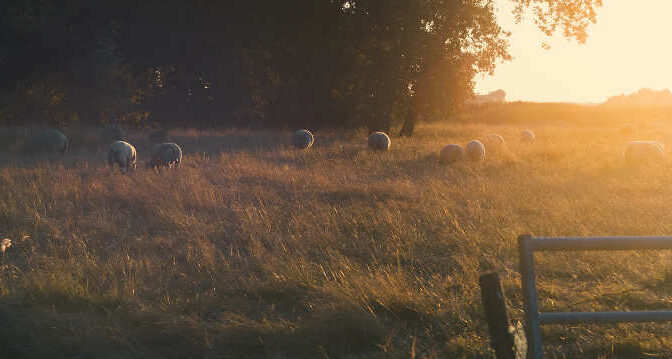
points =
(628, 49)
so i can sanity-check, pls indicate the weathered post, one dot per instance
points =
(507, 341)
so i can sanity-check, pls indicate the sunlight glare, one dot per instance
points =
(626, 50)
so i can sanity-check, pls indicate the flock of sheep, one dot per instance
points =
(169, 154)
(119, 152)
(636, 152)
(380, 141)
(124, 155)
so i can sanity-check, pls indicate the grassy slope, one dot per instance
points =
(258, 250)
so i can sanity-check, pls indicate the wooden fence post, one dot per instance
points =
(509, 342)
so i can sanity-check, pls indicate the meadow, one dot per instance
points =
(253, 249)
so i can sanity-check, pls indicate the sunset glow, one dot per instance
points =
(628, 49)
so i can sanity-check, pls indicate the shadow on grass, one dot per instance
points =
(49, 333)
(79, 326)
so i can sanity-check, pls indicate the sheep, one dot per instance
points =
(475, 151)
(48, 140)
(303, 139)
(643, 151)
(165, 155)
(451, 153)
(527, 136)
(379, 141)
(123, 154)
(495, 140)
(4, 244)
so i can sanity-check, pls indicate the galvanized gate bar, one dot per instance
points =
(532, 327)
(527, 245)
(599, 243)
(604, 317)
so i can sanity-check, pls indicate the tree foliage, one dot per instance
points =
(306, 63)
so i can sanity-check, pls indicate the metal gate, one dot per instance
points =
(527, 245)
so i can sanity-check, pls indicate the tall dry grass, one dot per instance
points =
(253, 249)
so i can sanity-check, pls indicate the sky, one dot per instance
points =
(628, 48)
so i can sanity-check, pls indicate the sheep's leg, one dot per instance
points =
(110, 159)
(127, 165)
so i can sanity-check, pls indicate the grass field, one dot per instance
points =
(253, 249)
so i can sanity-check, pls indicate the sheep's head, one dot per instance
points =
(4, 244)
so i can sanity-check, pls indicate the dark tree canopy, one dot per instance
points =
(295, 63)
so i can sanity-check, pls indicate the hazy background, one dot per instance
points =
(625, 51)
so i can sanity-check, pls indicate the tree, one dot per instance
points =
(572, 17)
(296, 63)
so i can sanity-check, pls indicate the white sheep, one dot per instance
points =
(494, 139)
(123, 154)
(643, 151)
(379, 141)
(303, 139)
(451, 153)
(527, 136)
(475, 150)
(4, 244)
(165, 154)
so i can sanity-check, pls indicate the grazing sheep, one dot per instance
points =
(47, 141)
(451, 153)
(165, 155)
(123, 154)
(303, 139)
(379, 141)
(495, 140)
(4, 244)
(475, 150)
(527, 136)
(113, 132)
(643, 151)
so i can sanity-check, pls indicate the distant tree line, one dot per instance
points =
(643, 97)
(254, 63)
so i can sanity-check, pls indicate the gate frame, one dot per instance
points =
(527, 245)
